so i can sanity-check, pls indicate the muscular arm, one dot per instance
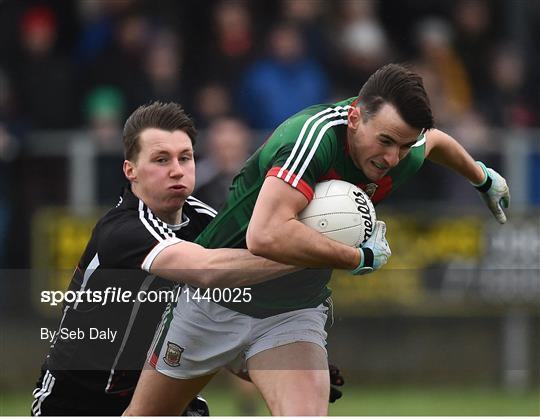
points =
(446, 151)
(275, 233)
(192, 264)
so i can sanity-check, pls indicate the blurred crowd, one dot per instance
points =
(67, 64)
(241, 67)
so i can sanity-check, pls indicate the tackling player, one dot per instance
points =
(377, 140)
(146, 238)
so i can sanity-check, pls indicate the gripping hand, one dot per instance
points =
(375, 252)
(494, 191)
(336, 380)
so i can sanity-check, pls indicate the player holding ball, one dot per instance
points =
(377, 140)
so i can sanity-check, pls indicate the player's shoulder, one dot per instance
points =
(131, 223)
(411, 163)
(199, 213)
(199, 207)
(417, 153)
(324, 111)
(321, 119)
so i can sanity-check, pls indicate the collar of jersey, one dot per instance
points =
(132, 201)
(176, 227)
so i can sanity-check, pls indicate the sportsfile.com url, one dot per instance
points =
(110, 295)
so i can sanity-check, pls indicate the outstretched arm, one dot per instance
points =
(192, 264)
(276, 240)
(443, 149)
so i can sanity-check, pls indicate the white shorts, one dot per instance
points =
(198, 338)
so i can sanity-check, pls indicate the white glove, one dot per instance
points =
(494, 191)
(375, 251)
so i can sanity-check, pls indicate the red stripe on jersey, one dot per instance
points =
(302, 185)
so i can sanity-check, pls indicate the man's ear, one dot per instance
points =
(130, 171)
(354, 117)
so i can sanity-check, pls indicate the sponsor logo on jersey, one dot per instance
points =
(173, 354)
(370, 189)
(378, 191)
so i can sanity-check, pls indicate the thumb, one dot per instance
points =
(380, 229)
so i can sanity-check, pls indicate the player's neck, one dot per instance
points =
(170, 218)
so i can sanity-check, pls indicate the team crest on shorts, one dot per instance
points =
(370, 189)
(173, 354)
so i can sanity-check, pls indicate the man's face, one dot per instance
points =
(378, 144)
(163, 174)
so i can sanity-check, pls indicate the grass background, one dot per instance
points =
(363, 401)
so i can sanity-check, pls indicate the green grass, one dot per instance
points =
(360, 401)
(15, 404)
(436, 402)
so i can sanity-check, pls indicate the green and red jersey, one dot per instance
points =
(307, 148)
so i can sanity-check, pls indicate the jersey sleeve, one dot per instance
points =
(307, 146)
(135, 242)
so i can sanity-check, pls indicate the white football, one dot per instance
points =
(341, 211)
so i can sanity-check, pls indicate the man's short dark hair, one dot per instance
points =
(166, 116)
(400, 87)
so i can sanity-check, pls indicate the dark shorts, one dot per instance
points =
(57, 395)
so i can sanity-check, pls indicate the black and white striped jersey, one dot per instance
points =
(124, 243)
